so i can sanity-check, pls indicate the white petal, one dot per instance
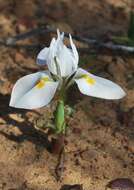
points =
(42, 57)
(99, 87)
(75, 52)
(67, 61)
(23, 85)
(26, 94)
(52, 53)
(53, 48)
(60, 35)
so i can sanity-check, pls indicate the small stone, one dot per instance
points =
(89, 155)
(72, 187)
(121, 184)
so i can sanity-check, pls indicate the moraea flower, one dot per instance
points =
(66, 59)
(38, 89)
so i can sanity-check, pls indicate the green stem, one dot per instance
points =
(60, 117)
(60, 112)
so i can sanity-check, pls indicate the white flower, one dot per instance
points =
(66, 59)
(38, 89)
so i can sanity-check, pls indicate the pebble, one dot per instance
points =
(121, 184)
(72, 187)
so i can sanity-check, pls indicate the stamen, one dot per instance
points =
(42, 82)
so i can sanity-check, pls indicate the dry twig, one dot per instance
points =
(93, 43)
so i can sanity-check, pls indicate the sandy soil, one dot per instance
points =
(100, 139)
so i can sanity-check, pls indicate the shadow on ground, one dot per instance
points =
(29, 133)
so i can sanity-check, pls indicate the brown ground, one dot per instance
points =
(100, 139)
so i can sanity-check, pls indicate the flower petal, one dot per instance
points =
(42, 57)
(75, 52)
(44, 54)
(33, 91)
(60, 36)
(67, 59)
(99, 87)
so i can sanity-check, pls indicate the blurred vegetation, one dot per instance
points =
(129, 39)
(84, 60)
(131, 27)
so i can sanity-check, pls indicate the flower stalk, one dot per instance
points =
(60, 124)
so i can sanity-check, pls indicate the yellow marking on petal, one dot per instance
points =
(42, 82)
(89, 79)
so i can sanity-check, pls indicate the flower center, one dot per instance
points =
(88, 79)
(41, 83)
